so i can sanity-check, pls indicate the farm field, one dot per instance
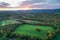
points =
(29, 26)
(27, 29)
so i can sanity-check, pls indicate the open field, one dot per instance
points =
(27, 29)
(19, 25)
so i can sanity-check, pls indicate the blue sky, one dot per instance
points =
(43, 4)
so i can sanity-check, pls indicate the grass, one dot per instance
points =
(27, 29)
(7, 22)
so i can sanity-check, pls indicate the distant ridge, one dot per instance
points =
(40, 11)
(31, 11)
(20, 12)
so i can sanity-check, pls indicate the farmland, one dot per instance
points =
(30, 26)
(27, 29)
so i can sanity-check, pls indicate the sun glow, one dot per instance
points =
(26, 8)
(22, 7)
(15, 9)
(15, 5)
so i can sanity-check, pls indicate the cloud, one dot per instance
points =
(42, 3)
(38, 4)
(4, 4)
(31, 3)
(13, 3)
(46, 6)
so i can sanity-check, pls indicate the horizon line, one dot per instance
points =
(17, 8)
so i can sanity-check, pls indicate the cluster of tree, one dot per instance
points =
(50, 35)
(23, 37)
(6, 30)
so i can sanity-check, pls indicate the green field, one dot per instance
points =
(27, 29)
(7, 22)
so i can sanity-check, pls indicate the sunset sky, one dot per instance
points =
(30, 4)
